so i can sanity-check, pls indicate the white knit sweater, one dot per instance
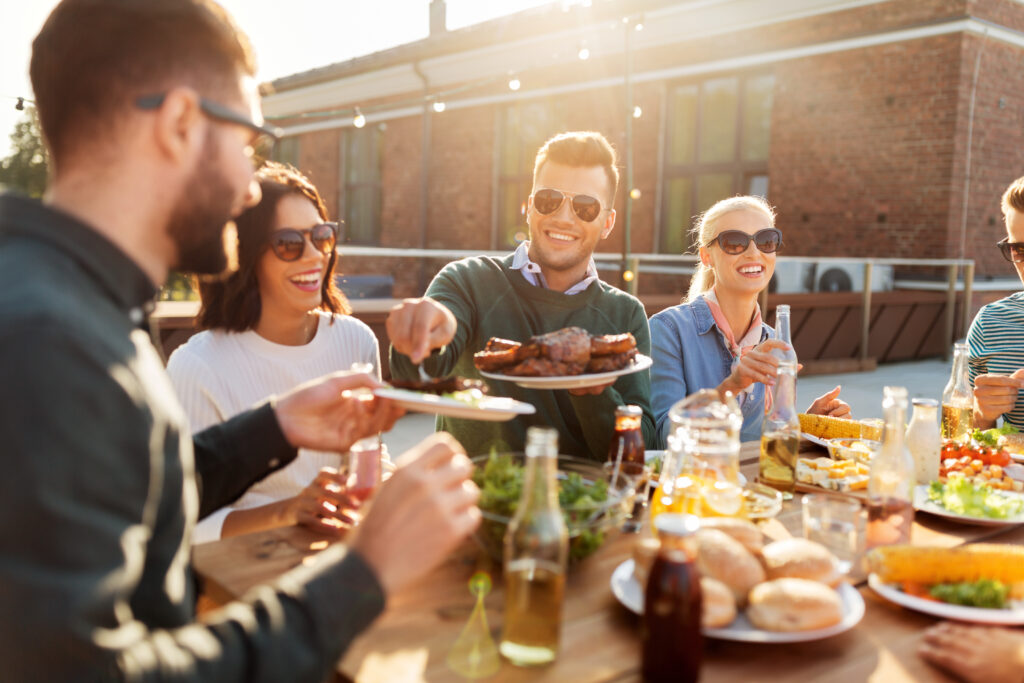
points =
(220, 374)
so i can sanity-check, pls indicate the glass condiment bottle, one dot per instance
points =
(924, 440)
(892, 479)
(780, 433)
(782, 333)
(957, 398)
(626, 457)
(536, 559)
(672, 645)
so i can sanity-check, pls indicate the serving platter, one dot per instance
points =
(489, 408)
(627, 590)
(1014, 616)
(923, 504)
(639, 363)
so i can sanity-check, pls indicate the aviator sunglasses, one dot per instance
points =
(548, 201)
(290, 243)
(1012, 251)
(767, 240)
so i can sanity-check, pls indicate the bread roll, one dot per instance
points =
(722, 557)
(743, 531)
(1013, 442)
(644, 551)
(799, 558)
(718, 608)
(794, 605)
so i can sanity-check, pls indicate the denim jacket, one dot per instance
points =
(690, 353)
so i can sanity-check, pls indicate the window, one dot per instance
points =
(360, 167)
(718, 138)
(523, 128)
(286, 150)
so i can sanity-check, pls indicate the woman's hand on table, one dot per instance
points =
(324, 505)
(757, 365)
(830, 404)
(995, 395)
(420, 515)
(975, 653)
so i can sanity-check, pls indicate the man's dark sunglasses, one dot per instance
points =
(1012, 251)
(734, 242)
(290, 243)
(548, 201)
(217, 111)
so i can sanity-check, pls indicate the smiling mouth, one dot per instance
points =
(751, 270)
(556, 236)
(307, 282)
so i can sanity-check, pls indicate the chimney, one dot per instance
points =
(438, 22)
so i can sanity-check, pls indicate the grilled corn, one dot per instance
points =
(827, 427)
(898, 563)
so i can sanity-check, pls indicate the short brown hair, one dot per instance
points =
(234, 303)
(1013, 198)
(580, 149)
(94, 58)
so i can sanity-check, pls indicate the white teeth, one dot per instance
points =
(561, 237)
(751, 269)
(305, 279)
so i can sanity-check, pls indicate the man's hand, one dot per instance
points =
(417, 326)
(333, 412)
(830, 404)
(419, 515)
(995, 395)
(591, 390)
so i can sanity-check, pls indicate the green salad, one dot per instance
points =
(501, 485)
(964, 497)
(981, 593)
(990, 437)
(471, 397)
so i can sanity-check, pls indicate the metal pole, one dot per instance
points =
(865, 317)
(947, 340)
(631, 285)
(968, 297)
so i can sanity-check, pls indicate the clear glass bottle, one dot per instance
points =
(536, 559)
(892, 479)
(672, 645)
(924, 440)
(957, 398)
(780, 433)
(782, 333)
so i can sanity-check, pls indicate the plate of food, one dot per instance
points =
(793, 594)
(454, 397)
(963, 500)
(977, 582)
(570, 358)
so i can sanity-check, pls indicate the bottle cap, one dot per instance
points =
(927, 402)
(676, 524)
(628, 411)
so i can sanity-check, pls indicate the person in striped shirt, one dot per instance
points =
(996, 338)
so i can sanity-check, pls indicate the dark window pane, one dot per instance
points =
(757, 185)
(362, 185)
(712, 187)
(757, 117)
(683, 126)
(512, 225)
(675, 237)
(286, 150)
(718, 120)
(363, 214)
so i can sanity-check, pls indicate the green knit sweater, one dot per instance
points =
(489, 299)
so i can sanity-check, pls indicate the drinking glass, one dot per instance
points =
(365, 470)
(871, 428)
(837, 523)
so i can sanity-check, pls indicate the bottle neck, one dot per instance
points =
(895, 419)
(540, 482)
(782, 326)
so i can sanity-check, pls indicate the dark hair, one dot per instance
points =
(234, 303)
(580, 149)
(94, 58)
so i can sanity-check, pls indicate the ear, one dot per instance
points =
(705, 257)
(178, 125)
(608, 225)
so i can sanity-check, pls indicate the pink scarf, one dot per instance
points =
(750, 339)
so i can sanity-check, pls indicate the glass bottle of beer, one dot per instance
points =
(892, 479)
(957, 398)
(780, 433)
(670, 633)
(536, 559)
(782, 333)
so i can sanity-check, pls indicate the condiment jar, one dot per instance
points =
(923, 439)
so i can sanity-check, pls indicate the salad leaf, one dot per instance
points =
(964, 497)
(981, 593)
(990, 437)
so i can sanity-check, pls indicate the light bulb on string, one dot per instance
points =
(439, 106)
(628, 275)
(637, 112)
(514, 84)
(635, 193)
(639, 26)
(584, 53)
(358, 120)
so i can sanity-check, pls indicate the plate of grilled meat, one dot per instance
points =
(454, 397)
(570, 358)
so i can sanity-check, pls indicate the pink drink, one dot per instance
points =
(364, 468)
(889, 521)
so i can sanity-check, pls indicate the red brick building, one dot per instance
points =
(867, 123)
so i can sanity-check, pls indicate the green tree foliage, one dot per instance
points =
(25, 169)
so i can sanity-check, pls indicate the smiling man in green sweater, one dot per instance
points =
(548, 283)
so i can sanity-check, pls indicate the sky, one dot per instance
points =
(289, 37)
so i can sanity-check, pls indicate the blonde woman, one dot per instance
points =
(716, 337)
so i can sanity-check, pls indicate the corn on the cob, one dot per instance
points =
(827, 427)
(896, 563)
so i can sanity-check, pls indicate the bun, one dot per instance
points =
(718, 608)
(799, 558)
(1013, 442)
(722, 557)
(741, 530)
(794, 605)
(644, 551)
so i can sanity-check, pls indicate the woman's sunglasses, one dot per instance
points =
(289, 243)
(548, 201)
(1012, 251)
(735, 242)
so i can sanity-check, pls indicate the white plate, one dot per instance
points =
(814, 439)
(641, 362)
(922, 503)
(490, 408)
(979, 615)
(627, 590)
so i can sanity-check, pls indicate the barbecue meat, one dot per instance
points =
(568, 345)
(616, 361)
(544, 367)
(569, 351)
(440, 385)
(496, 358)
(608, 344)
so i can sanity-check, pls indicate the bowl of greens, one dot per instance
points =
(590, 506)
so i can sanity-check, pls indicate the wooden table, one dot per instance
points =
(600, 638)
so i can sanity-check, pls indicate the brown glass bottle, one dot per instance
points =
(627, 445)
(671, 640)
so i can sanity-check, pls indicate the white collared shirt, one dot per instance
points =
(533, 274)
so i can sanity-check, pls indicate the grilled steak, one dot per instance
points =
(544, 367)
(440, 385)
(616, 361)
(608, 344)
(569, 351)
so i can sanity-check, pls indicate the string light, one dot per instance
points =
(635, 193)
(584, 53)
(637, 112)
(639, 26)
(358, 120)
(513, 84)
(627, 275)
(439, 107)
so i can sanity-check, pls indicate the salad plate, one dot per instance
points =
(980, 615)
(641, 362)
(627, 590)
(487, 408)
(922, 503)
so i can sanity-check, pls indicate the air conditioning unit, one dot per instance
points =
(837, 276)
(792, 277)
